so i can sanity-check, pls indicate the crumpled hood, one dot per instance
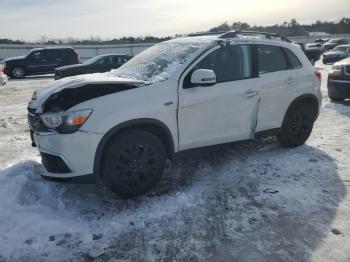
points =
(39, 97)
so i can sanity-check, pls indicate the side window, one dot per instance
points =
(117, 60)
(101, 61)
(229, 63)
(36, 55)
(294, 61)
(271, 59)
(63, 54)
(108, 60)
(50, 55)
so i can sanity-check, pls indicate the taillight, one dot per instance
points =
(318, 75)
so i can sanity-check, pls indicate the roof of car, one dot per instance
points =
(51, 48)
(232, 36)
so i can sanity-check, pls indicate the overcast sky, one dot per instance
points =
(31, 19)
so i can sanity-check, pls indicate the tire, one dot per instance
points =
(18, 72)
(133, 163)
(297, 125)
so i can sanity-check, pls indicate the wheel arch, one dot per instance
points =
(153, 126)
(309, 99)
(11, 67)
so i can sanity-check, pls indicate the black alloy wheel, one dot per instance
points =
(297, 125)
(134, 162)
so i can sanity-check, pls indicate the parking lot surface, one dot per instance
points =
(249, 201)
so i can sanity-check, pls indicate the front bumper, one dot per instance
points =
(67, 155)
(339, 88)
(3, 79)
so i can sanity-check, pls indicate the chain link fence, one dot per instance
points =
(85, 52)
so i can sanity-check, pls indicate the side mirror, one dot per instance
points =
(203, 77)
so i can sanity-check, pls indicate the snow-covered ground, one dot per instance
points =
(252, 201)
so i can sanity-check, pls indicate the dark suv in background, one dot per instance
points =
(40, 61)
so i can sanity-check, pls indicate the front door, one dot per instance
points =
(223, 112)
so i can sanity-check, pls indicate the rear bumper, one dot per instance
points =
(339, 88)
(67, 155)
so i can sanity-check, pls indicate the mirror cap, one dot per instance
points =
(203, 77)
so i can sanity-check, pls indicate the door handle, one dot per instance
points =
(250, 93)
(290, 81)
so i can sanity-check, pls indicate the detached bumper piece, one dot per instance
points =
(54, 164)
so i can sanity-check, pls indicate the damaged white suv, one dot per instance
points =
(186, 93)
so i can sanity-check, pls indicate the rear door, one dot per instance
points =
(49, 60)
(223, 112)
(277, 81)
(63, 57)
(35, 63)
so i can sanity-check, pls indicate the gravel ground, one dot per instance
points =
(251, 201)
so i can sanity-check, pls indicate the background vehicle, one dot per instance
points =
(312, 53)
(339, 81)
(338, 53)
(97, 64)
(313, 45)
(182, 94)
(321, 41)
(318, 46)
(3, 77)
(40, 61)
(330, 44)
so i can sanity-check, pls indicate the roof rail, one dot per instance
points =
(234, 33)
(207, 33)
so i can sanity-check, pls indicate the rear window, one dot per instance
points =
(293, 60)
(67, 54)
(271, 59)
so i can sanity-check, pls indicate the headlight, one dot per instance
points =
(66, 122)
(336, 70)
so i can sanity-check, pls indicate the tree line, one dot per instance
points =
(291, 28)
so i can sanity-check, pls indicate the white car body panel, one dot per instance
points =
(153, 100)
(216, 114)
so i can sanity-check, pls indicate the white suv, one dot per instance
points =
(191, 92)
